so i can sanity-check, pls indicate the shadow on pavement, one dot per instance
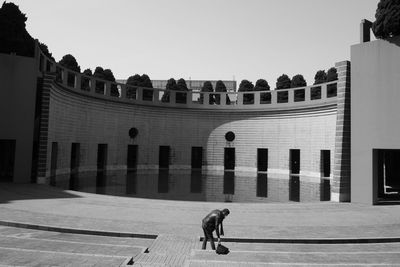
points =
(11, 192)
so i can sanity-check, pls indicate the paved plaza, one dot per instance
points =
(42, 225)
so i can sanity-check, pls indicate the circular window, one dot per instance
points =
(230, 136)
(133, 132)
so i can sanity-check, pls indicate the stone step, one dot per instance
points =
(88, 239)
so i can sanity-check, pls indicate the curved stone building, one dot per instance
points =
(275, 145)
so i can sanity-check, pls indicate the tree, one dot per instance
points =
(298, 81)
(69, 62)
(220, 88)
(109, 76)
(331, 75)
(245, 86)
(85, 81)
(171, 85)
(261, 85)
(99, 73)
(181, 85)
(46, 51)
(105, 74)
(207, 88)
(387, 23)
(134, 80)
(283, 82)
(13, 35)
(145, 81)
(320, 77)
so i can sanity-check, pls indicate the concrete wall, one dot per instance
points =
(375, 110)
(17, 109)
(88, 120)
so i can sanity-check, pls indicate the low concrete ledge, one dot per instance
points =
(76, 230)
(310, 240)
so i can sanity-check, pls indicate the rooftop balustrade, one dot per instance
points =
(275, 99)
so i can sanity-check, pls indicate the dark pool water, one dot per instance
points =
(189, 185)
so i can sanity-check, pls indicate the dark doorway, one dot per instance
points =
(74, 166)
(294, 179)
(7, 160)
(163, 159)
(131, 175)
(387, 169)
(102, 151)
(325, 166)
(197, 157)
(262, 159)
(229, 158)
(53, 163)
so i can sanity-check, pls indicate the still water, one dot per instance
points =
(189, 185)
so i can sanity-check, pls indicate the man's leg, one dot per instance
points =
(204, 240)
(211, 237)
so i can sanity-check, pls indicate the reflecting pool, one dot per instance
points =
(189, 185)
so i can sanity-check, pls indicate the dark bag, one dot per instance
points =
(222, 250)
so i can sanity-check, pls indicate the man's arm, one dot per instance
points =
(222, 229)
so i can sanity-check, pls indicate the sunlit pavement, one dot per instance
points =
(167, 232)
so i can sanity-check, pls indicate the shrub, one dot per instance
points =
(70, 62)
(331, 75)
(206, 88)
(320, 77)
(283, 82)
(220, 87)
(261, 85)
(298, 81)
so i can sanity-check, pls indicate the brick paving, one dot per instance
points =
(177, 227)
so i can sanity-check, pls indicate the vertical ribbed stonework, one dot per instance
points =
(340, 185)
(44, 125)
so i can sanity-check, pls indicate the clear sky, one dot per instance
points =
(200, 39)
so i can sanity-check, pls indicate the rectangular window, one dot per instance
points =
(325, 163)
(53, 163)
(229, 158)
(132, 157)
(101, 156)
(7, 160)
(262, 159)
(294, 179)
(295, 161)
(197, 157)
(163, 159)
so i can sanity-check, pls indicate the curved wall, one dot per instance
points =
(89, 120)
